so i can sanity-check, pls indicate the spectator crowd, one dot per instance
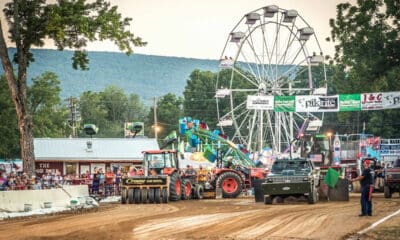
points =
(99, 182)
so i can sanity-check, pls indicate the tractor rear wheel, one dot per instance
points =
(143, 195)
(175, 187)
(124, 196)
(165, 195)
(151, 195)
(130, 195)
(187, 189)
(230, 184)
(157, 195)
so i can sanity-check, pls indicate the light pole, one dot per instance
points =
(329, 135)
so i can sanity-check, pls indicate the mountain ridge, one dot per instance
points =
(148, 76)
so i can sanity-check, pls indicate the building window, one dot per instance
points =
(71, 168)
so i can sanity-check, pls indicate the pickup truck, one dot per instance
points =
(392, 179)
(291, 177)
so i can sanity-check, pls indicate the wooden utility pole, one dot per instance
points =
(155, 118)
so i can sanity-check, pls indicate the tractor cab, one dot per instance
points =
(160, 162)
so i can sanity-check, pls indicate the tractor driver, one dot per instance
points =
(155, 163)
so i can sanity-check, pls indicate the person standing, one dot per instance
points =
(367, 183)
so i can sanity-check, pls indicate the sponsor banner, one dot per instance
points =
(260, 102)
(317, 103)
(284, 103)
(371, 101)
(391, 100)
(156, 180)
(349, 102)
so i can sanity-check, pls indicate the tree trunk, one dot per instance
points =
(18, 93)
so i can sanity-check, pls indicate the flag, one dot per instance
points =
(331, 177)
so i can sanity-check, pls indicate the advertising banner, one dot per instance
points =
(391, 100)
(349, 102)
(285, 104)
(260, 102)
(317, 103)
(371, 101)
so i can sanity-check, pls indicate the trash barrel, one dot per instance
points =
(258, 193)
(340, 192)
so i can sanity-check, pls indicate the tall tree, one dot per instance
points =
(199, 95)
(45, 106)
(9, 147)
(71, 24)
(115, 101)
(136, 111)
(92, 109)
(168, 110)
(368, 57)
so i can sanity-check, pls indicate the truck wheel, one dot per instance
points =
(124, 196)
(387, 193)
(165, 195)
(175, 187)
(151, 195)
(144, 195)
(130, 196)
(137, 195)
(277, 200)
(187, 189)
(157, 195)
(313, 197)
(198, 191)
(267, 200)
(230, 184)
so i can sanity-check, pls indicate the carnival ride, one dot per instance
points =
(270, 52)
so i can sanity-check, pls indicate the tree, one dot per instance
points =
(115, 102)
(92, 109)
(169, 110)
(368, 57)
(199, 97)
(71, 24)
(45, 106)
(9, 147)
(136, 111)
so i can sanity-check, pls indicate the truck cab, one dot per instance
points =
(291, 177)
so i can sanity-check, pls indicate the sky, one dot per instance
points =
(200, 28)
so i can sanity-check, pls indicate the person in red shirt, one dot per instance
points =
(109, 178)
(132, 171)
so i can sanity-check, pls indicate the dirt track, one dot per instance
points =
(240, 218)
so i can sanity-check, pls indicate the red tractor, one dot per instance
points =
(157, 181)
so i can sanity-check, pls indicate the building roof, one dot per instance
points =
(101, 148)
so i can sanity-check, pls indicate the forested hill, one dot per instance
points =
(146, 75)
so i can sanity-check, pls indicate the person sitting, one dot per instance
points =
(190, 172)
(153, 172)
(155, 163)
(229, 162)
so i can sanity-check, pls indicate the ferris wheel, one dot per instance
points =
(270, 52)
